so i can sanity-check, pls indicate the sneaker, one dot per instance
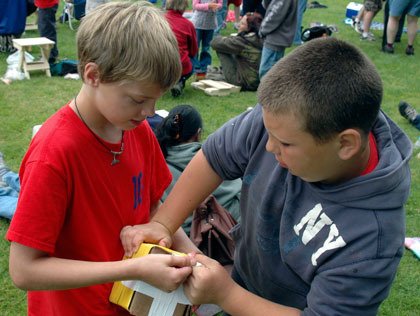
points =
(176, 90)
(407, 111)
(388, 49)
(236, 26)
(409, 50)
(368, 37)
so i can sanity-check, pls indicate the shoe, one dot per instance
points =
(200, 76)
(388, 49)
(215, 76)
(407, 111)
(368, 37)
(236, 26)
(176, 90)
(409, 50)
(214, 70)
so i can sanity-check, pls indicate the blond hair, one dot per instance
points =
(129, 42)
(176, 5)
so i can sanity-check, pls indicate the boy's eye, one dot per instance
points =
(138, 101)
(284, 144)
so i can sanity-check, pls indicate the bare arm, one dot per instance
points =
(195, 184)
(31, 269)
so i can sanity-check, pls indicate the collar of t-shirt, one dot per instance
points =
(373, 158)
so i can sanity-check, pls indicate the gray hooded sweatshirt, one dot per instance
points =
(325, 249)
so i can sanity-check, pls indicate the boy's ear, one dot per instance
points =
(351, 143)
(91, 75)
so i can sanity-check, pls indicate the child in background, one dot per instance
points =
(325, 177)
(95, 167)
(187, 41)
(179, 136)
(205, 22)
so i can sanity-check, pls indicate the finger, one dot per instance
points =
(180, 261)
(166, 242)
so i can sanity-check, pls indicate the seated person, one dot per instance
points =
(240, 54)
(185, 34)
(179, 138)
(9, 190)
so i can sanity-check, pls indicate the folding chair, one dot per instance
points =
(72, 9)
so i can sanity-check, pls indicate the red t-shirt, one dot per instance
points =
(43, 4)
(186, 36)
(73, 203)
(373, 157)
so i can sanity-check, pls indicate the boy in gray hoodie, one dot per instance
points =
(325, 177)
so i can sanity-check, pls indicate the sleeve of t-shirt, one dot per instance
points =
(229, 149)
(355, 289)
(40, 212)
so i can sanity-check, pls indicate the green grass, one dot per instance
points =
(26, 103)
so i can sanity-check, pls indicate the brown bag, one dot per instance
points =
(210, 228)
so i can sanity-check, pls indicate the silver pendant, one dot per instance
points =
(115, 160)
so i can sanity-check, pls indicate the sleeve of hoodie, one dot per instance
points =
(276, 12)
(197, 5)
(228, 44)
(229, 149)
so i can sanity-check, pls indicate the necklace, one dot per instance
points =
(114, 153)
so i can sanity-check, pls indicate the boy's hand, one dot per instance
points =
(166, 272)
(208, 283)
(133, 236)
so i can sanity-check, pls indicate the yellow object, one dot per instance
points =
(122, 295)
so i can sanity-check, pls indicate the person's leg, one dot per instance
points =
(367, 20)
(411, 28)
(205, 56)
(196, 60)
(301, 10)
(386, 17)
(47, 28)
(268, 58)
(221, 16)
(229, 65)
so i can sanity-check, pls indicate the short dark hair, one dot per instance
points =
(180, 126)
(254, 20)
(328, 83)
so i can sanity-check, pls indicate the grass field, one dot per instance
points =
(26, 103)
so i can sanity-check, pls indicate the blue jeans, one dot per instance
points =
(9, 194)
(221, 16)
(203, 59)
(301, 9)
(268, 58)
(47, 28)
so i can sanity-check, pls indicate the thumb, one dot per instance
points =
(165, 242)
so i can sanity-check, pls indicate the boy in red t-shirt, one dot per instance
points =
(95, 167)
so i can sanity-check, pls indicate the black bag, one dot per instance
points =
(210, 228)
(315, 32)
